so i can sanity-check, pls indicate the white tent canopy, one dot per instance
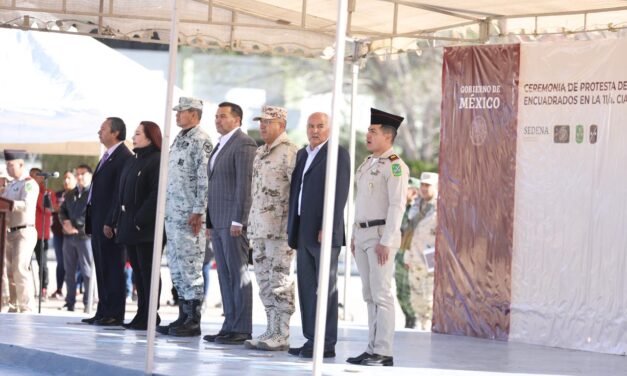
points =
(57, 91)
(307, 27)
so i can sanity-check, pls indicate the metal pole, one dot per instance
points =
(350, 205)
(163, 178)
(41, 244)
(329, 189)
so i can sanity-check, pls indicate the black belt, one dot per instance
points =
(376, 222)
(16, 228)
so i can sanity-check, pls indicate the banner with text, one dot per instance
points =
(476, 191)
(569, 270)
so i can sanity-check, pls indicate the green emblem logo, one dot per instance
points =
(396, 169)
(579, 134)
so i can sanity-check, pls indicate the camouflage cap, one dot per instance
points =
(186, 103)
(272, 112)
(430, 178)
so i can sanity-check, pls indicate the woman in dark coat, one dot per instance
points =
(137, 210)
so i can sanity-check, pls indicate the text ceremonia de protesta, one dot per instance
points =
(575, 93)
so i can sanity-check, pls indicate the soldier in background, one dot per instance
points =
(21, 233)
(401, 272)
(186, 204)
(267, 228)
(423, 223)
(381, 191)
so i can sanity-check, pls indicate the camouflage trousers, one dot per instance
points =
(421, 284)
(185, 253)
(273, 270)
(403, 290)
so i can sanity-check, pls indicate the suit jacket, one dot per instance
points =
(104, 189)
(312, 201)
(229, 182)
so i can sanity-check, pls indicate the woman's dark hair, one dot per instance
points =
(153, 133)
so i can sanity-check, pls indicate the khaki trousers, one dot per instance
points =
(377, 292)
(19, 250)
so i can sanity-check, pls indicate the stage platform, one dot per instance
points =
(33, 345)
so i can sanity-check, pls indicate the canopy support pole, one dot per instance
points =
(329, 189)
(163, 179)
(350, 205)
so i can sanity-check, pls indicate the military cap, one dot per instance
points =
(272, 112)
(187, 103)
(384, 118)
(10, 155)
(414, 182)
(430, 178)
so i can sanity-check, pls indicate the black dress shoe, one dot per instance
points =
(233, 339)
(307, 352)
(212, 337)
(91, 320)
(108, 321)
(359, 359)
(378, 360)
(135, 326)
(294, 351)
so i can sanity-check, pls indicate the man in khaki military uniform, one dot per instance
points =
(381, 190)
(21, 233)
(423, 222)
(267, 228)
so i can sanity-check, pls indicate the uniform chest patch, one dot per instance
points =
(396, 169)
(181, 162)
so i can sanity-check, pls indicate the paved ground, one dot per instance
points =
(33, 344)
(55, 343)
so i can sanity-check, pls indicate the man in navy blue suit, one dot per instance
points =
(305, 229)
(109, 258)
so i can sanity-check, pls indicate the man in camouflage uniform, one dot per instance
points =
(186, 204)
(21, 234)
(401, 272)
(381, 191)
(423, 222)
(267, 228)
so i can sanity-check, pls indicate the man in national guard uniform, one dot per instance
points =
(401, 272)
(381, 190)
(21, 233)
(267, 228)
(423, 223)
(186, 203)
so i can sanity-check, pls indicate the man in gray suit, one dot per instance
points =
(230, 173)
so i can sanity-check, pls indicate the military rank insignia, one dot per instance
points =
(396, 169)
(393, 157)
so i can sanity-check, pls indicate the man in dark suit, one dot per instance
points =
(230, 173)
(109, 258)
(305, 230)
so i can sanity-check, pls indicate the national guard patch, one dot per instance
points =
(396, 169)
(207, 148)
(393, 157)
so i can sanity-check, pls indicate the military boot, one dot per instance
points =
(165, 329)
(270, 329)
(191, 326)
(410, 322)
(280, 340)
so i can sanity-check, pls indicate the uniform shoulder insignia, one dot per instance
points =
(393, 157)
